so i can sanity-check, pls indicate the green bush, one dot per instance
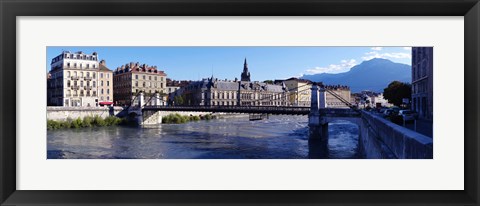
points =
(98, 121)
(208, 117)
(77, 123)
(178, 119)
(66, 124)
(112, 120)
(51, 124)
(87, 121)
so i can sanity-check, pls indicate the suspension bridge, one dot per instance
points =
(378, 138)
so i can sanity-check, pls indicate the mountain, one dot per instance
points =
(373, 75)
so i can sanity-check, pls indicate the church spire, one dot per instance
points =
(245, 74)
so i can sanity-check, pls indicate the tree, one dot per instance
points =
(397, 91)
(178, 100)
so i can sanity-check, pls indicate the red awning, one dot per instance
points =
(106, 103)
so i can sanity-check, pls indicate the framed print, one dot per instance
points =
(175, 76)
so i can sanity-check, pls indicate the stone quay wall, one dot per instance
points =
(381, 138)
(63, 113)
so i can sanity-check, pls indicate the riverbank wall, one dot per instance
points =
(382, 139)
(64, 113)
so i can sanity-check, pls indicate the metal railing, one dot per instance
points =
(236, 109)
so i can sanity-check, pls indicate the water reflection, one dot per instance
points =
(279, 137)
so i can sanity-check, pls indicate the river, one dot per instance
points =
(278, 137)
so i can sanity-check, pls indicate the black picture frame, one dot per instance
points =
(10, 9)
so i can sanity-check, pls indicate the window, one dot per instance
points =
(143, 76)
(108, 75)
(75, 74)
(101, 83)
(81, 83)
(161, 79)
(101, 75)
(149, 77)
(136, 76)
(108, 83)
(68, 74)
(88, 66)
(81, 74)
(94, 85)
(108, 97)
(101, 98)
(108, 91)
(101, 92)
(155, 78)
(94, 74)
(136, 84)
(161, 85)
(143, 84)
(68, 83)
(94, 66)
(88, 74)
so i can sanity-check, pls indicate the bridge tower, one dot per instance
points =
(314, 116)
(323, 98)
(318, 129)
(157, 99)
(141, 99)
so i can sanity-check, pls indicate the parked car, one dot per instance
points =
(408, 115)
(390, 112)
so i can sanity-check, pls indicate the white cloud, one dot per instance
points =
(344, 66)
(377, 48)
(407, 48)
(395, 55)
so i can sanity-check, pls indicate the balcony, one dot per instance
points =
(74, 78)
(87, 87)
(88, 78)
(75, 87)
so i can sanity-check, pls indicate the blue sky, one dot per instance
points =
(194, 63)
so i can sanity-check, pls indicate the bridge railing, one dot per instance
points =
(235, 109)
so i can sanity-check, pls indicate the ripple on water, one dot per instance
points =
(279, 137)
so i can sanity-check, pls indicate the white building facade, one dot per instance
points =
(73, 80)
